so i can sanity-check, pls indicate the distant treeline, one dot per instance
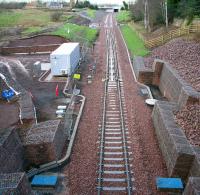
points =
(12, 5)
(85, 4)
(153, 12)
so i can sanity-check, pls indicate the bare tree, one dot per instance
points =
(153, 12)
(166, 14)
(145, 14)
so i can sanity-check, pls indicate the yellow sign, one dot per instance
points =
(77, 76)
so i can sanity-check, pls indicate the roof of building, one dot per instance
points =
(65, 48)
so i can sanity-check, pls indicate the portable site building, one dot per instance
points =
(65, 59)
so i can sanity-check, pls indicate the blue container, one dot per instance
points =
(7, 94)
(169, 184)
(44, 181)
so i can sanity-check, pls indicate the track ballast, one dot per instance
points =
(114, 173)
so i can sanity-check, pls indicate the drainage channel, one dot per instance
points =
(114, 174)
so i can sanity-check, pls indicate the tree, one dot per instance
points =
(150, 11)
(137, 10)
(186, 9)
(172, 6)
(125, 5)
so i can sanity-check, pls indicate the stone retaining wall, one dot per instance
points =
(27, 107)
(171, 85)
(11, 151)
(44, 142)
(14, 183)
(142, 74)
(195, 169)
(176, 150)
(193, 186)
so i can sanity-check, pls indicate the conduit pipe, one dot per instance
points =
(66, 158)
(130, 63)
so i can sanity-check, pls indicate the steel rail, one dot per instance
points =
(127, 167)
(103, 123)
(111, 51)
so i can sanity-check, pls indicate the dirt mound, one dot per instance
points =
(183, 55)
(37, 40)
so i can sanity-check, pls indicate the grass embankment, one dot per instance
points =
(9, 18)
(78, 33)
(124, 16)
(31, 30)
(32, 20)
(91, 13)
(133, 41)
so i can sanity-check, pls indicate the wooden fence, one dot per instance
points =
(160, 40)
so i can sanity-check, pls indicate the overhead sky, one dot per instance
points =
(92, 1)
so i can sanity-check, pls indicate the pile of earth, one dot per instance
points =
(183, 55)
(188, 119)
(38, 40)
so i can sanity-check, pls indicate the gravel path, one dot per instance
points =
(82, 168)
(183, 55)
(147, 159)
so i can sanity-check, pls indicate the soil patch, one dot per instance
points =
(43, 94)
(80, 20)
(189, 120)
(38, 40)
(184, 56)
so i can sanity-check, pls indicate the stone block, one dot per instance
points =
(14, 183)
(176, 149)
(44, 142)
(11, 151)
(193, 186)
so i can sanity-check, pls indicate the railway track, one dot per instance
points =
(114, 171)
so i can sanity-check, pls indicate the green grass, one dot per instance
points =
(66, 18)
(33, 29)
(8, 18)
(28, 17)
(91, 13)
(124, 16)
(78, 33)
(133, 41)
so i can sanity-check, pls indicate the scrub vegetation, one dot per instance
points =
(124, 16)
(91, 13)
